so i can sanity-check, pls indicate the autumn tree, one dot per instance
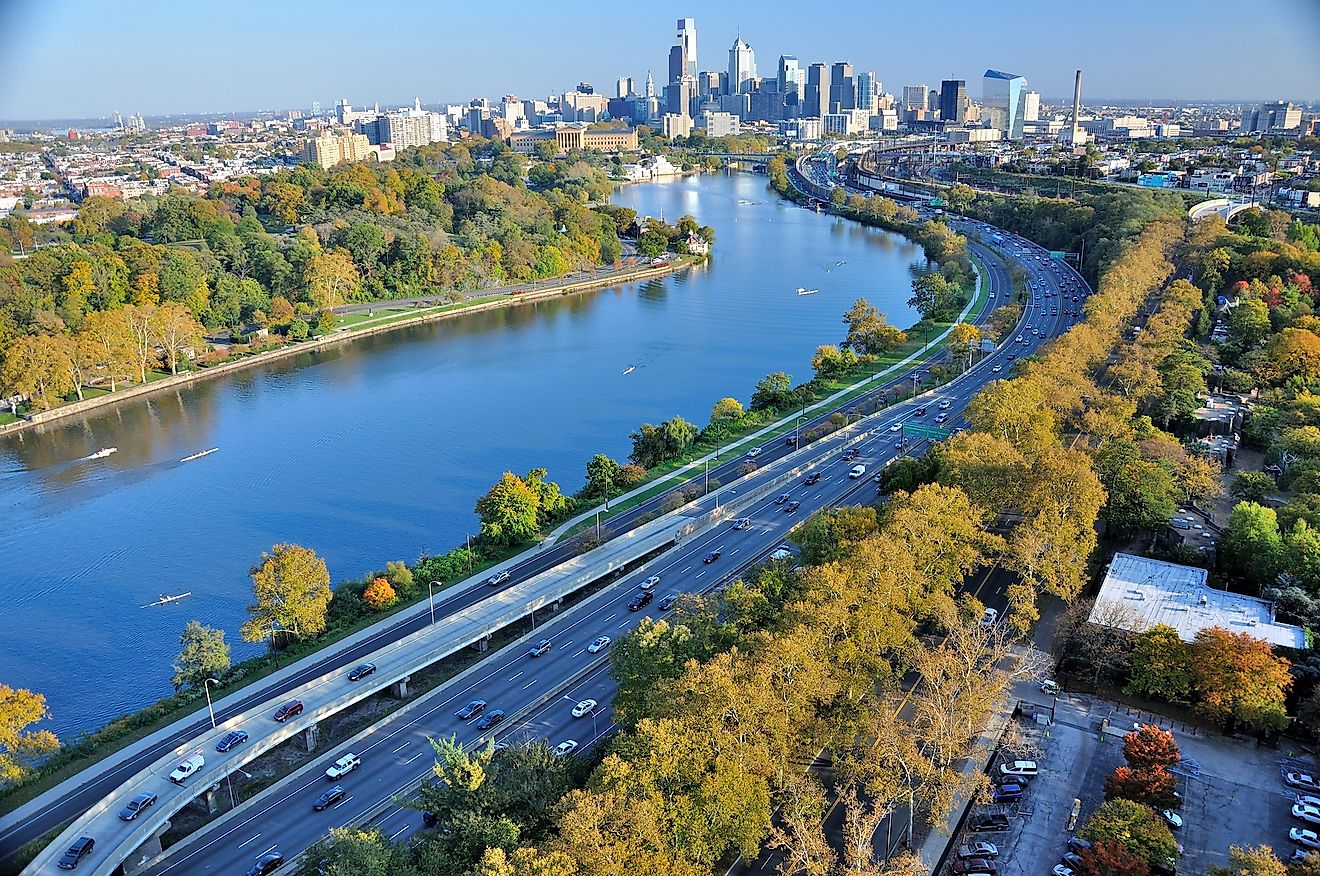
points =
(203, 654)
(292, 588)
(177, 332)
(1109, 857)
(1237, 678)
(1135, 826)
(379, 594)
(141, 321)
(1149, 746)
(963, 338)
(1155, 786)
(40, 368)
(20, 747)
(868, 332)
(510, 511)
(109, 338)
(331, 278)
(1255, 861)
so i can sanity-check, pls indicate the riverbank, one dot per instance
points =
(346, 335)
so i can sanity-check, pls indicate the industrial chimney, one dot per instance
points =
(1077, 105)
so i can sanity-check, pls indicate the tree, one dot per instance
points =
(602, 476)
(1141, 492)
(868, 332)
(959, 197)
(350, 851)
(509, 512)
(830, 533)
(109, 339)
(933, 296)
(963, 338)
(292, 588)
(773, 392)
(1252, 545)
(1237, 678)
(141, 321)
(379, 594)
(1252, 486)
(21, 748)
(40, 368)
(1154, 786)
(1291, 353)
(1249, 322)
(1258, 861)
(1111, 858)
(830, 362)
(331, 278)
(1135, 827)
(177, 332)
(203, 654)
(1160, 665)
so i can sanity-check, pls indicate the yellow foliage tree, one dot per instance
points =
(379, 594)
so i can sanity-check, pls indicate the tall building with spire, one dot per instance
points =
(742, 67)
(650, 85)
(683, 55)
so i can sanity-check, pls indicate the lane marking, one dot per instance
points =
(580, 651)
(269, 850)
(342, 802)
(414, 757)
(699, 574)
(685, 570)
(529, 684)
(515, 677)
(246, 841)
(400, 748)
(624, 624)
(395, 835)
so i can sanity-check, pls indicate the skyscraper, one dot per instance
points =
(953, 100)
(816, 104)
(1031, 106)
(1004, 96)
(742, 67)
(790, 75)
(683, 56)
(915, 97)
(868, 91)
(843, 87)
(1278, 115)
(650, 85)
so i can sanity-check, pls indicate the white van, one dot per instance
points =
(185, 769)
(857, 471)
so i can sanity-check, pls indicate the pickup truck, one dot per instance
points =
(343, 767)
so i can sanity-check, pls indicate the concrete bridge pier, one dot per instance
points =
(147, 852)
(483, 644)
(400, 687)
(311, 737)
(207, 800)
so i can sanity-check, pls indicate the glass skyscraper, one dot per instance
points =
(1005, 101)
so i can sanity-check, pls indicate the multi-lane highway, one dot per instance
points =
(396, 753)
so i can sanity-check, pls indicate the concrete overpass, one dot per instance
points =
(1225, 208)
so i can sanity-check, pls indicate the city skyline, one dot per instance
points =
(42, 80)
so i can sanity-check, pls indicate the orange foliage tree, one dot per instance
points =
(379, 594)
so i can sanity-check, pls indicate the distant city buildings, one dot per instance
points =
(742, 67)
(953, 101)
(1272, 117)
(328, 150)
(570, 138)
(405, 128)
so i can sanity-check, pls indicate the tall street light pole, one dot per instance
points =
(430, 593)
(206, 685)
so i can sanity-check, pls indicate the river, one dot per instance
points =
(377, 450)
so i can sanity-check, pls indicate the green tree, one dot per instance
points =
(933, 296)
(1251, 545)
(292, 588)
(726, 411)
(351, 851)
(868, 332)
(830, 362)
(1160, 665)
(1134, 826)
(1252, 486)
(21, 748)
(773, 392)
(652, 244)
(830, 533)
(509, 512)
(203, 654)
(1141, 491)
(1249, 322)
(602, 476)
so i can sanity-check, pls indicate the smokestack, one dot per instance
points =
(1077, 105)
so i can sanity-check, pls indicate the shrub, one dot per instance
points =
(379, 594)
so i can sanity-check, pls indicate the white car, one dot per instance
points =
(1306, 838)
(754, 452)
(584, 708)
(649, 583)
(742, 523)
(1062, 870)
(1173, 819)
(997, 369)
(1306, 812)
(1308, 800)
(599, 645)
(990, 617)
(343, 767)
(497, 579)
(186, 768)
(945, 405)
(568, 746)
(1019, 768)
(1302, 780)
(1049, 687)
(897, 427)
(857, 471)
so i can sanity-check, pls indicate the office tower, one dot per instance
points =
(1278, 115)
(514, 110)
(316, 107)
(843, 87)
(683, 56)
(1003, 95)
(915, 97)
(1077, 107)
(933, 101)
(868, 91)
(1031, 106)
(816, 104)
(650, 86)
(622, 87)
(710, 82)
(953, 101)
(790, 75)
(742, 67)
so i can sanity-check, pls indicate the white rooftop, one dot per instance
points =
(1139, 593)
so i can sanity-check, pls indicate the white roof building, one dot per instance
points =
(1139, 593)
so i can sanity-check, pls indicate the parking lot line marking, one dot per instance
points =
(246, 841)
(401, 748)
(529, 684)
(414, 757)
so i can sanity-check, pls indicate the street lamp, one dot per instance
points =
(430, 594)
(206, 686)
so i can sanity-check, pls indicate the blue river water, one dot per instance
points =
(377, 450)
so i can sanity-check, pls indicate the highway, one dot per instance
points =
(396, 753)
(118, 769)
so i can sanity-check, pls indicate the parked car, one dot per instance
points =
(1302, 780)
(361, 672)
(1173, 819)
(135, 807)
(1063, 870)
(1019, 768)
(978, 850)
(540, 649)
(1071, 859)
(266, 864)
(343, 766)
(291, 709)
(973, 865)
(497, 579)
(471, 710)
(988, 821)
(649, 583)
(586, 707)
(232, 739)
(490, 719)
(599, 645)
(1309, 800)
(81, 848)
(1050, 688)
(568, 746)
(328, 798)
(1007, 793)
(668, 602)
(640, 600)
(989, 618)
(811, 478)
(185, 769)
(711, 557)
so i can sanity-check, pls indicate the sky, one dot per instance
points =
(90, 58)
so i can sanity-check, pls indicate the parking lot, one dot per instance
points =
(1233, 791)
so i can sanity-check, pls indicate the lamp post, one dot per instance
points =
(206, 686)
(430, 595)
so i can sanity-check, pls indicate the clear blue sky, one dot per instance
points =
(73, 58)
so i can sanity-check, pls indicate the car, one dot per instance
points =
(1304, 837)
(361, 672)
(919, 412)
(1302, 780)
(945, 405)
(329, 797)
(498, 747)
(1021, 340)
(1011, 357)
(429, 819)
(791, 440)
(850, 453)
(989, 618)
(568, 746)
(782, 498)
(599, 645)
(586, 707)
(792, 506)
(80, 849)
(1299, 856)
(941, 418)
(856, 471)
(1063, 870)
(973, 865)
(497, 579)
(490, 719)
(711, 557)
(1007, 793)
(649, 583)
(133, 808)
(1049, 687)
(1308, 800)
(540, 649)
(640, 600)
(997, 369)
(266, 864)
(343, 766)
(186, 768)
(291, 709)
(232, 739)
(978, 849)
(471, 710)
(1071, 859)
(897, 427)
(754, 452)
(1019, 768)
(742, 523)
(1306, 812)
(668, 602)
(987, 822)
(811, 479)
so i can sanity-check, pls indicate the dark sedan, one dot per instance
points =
(266, 864)
(640, 601)
(361, 672)
(493, 717)
(136, 806)
(329, 798)
(792, 506)
(472, 709)
(232, 739)
(711, 557)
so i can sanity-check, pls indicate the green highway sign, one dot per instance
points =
(1057, 254)
(919, 431)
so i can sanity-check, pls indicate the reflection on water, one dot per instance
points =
(377, 450)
